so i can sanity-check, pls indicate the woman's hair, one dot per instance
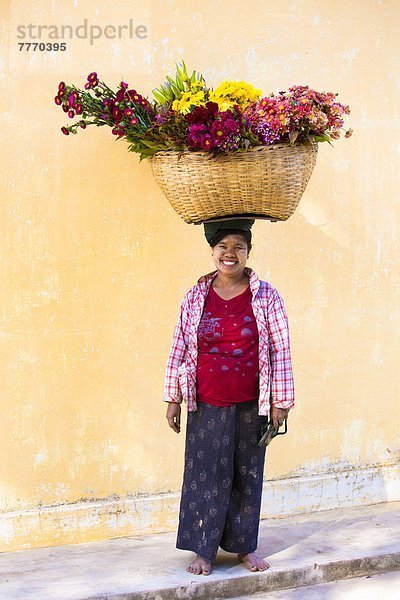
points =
(221, 233)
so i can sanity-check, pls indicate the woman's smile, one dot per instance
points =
(228, 262)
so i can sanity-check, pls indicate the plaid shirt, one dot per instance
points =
(275, 368)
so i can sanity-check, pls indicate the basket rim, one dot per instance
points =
(237, 152)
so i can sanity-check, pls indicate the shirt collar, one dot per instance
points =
(205, 281)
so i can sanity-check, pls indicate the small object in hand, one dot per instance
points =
(268, 432)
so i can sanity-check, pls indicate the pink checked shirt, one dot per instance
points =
(275, 367)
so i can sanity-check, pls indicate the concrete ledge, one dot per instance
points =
(272, 580)
(105, 519)
(302, 550)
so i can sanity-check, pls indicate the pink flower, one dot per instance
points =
(79, 109)
(65, 130)
(57, 100)
(124, 85)
(134, 121)
(128, 112)
(87, 86)
(71, 113)
(61, 86)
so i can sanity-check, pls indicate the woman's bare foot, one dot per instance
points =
(199, 566)
(253, 562)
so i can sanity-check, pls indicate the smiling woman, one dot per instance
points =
(230, 361)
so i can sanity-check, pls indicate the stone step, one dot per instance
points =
(302, 550)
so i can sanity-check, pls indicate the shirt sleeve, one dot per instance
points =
(176, 359)
(282, 385)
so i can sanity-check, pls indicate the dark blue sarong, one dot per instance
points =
(222, 481)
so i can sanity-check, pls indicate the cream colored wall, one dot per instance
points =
(94, 262)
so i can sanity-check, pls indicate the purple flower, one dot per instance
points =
(72, 99)
(206, 142)
(222, 129)
(196, 131)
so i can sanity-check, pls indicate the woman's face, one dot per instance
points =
(230, 255)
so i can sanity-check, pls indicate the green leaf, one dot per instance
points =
(159, 96)
(179, 84)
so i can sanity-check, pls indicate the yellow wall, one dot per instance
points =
(94, 262)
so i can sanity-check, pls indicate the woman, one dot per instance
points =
(230, 362)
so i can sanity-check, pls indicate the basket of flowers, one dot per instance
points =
(219, 152)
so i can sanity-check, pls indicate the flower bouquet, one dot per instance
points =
(217, 152)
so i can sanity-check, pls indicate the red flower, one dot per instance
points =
(128, 112)
(65, 108)
(65, 130)
(57, 100)
(118, 131)
(120, 95)
(117, 114)
(79, 109)
(87, 86)
(132, 95)
(134, 121)
(61, 86)
(71, 113)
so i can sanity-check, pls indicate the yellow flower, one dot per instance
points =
(229, 93)
(194, 96)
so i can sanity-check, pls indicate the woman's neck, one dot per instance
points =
(222, 281)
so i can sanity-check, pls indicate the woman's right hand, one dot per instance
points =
(174, 416)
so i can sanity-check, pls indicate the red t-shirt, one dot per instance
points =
(227, 364)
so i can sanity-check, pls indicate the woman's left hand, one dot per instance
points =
(278, 415)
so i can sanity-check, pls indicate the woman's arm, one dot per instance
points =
(282, 385)
(180, 341)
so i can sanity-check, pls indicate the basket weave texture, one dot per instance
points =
(263, 181)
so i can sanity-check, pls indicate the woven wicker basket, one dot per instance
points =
(262, 182)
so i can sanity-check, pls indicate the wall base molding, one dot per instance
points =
(94, 520)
